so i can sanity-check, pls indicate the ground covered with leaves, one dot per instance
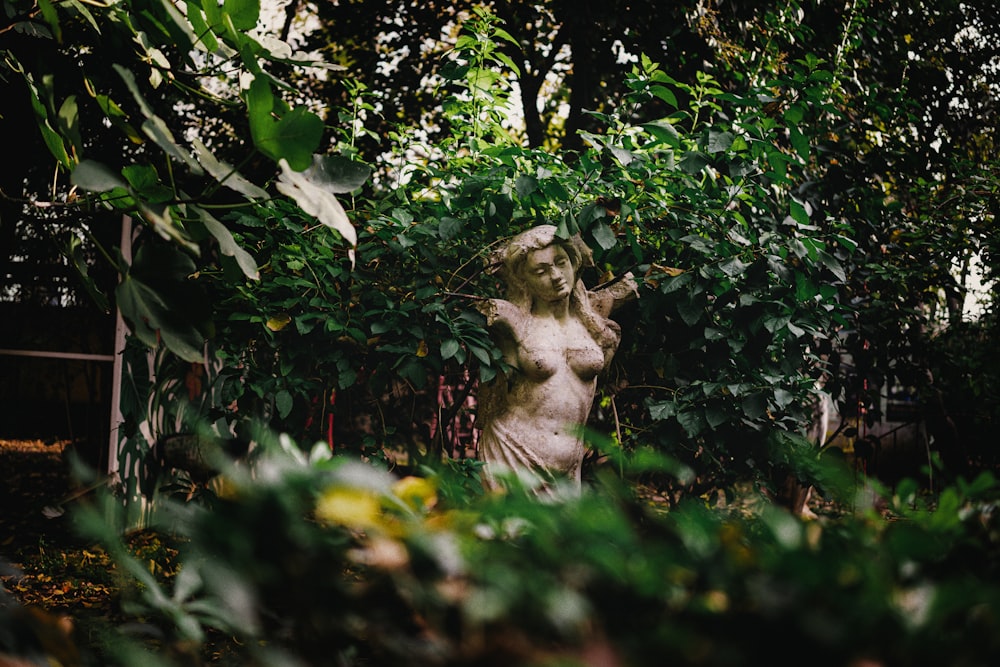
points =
(63, 593)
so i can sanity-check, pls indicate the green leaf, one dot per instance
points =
(482, 354)
(465, 42)
(244, 13)
(715, 416)
(449, 228)
(692, 420)
(798, 212)
(228, 245)
(604, 236)
(821, 75)
(454, 71)
(379, 327)
(51, 17)
(693, 162)
(449, 348)
(293, 138)
(690, 310)
(338, 173)
(799, 248)
(733, 267)
(719, 142)
(315, 198)
(805, 289)
(591, 213)
(830, 262)
(525, 184)
(144, 180)
(793, 114)
(775, 323)
(260, 103)
(160, 302)
(778, 162)
(783, 398)
(796, 331)
(712, 334)
(154, 127)
(283, 402)
(96, 177)
(53, 140)
(622, 155)
(503, 34)
(505, 59)
(159, 217)
(661, 410)
(213, 13)
(226, 174)
(664, 132)
(177, 31)
(800, 142)
(664, 94)
(850, 244)
(201, 28)
(75, 252)
(755, 405)
(69, 124)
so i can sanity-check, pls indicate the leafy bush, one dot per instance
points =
(693, 189)
(306, 559)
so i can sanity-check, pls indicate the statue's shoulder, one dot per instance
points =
(608, 299)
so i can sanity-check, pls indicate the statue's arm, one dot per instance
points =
(609, 298)
(504, 320)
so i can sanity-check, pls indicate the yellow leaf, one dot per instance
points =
(279, 321)
(354, 508)
(671, 271)
(224, 487)
(417, 492)
(422, 349)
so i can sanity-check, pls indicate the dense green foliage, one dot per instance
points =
(791, 211)
(118, 140)
(741, 280)
(317, 561)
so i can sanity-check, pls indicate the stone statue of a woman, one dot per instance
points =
(556, 338)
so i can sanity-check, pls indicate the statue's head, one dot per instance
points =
(513, 259)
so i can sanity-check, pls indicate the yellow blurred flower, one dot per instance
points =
(417, 492)
(351, 507)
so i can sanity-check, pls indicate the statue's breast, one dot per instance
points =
(586, 361)
(539, 361)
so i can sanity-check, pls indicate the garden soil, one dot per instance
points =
(58, 590)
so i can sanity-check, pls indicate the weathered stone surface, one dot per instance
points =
(556, 338)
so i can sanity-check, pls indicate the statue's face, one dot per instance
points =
(548, 273)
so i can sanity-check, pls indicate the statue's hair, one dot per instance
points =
(509, 261)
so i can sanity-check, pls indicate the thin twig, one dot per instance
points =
(467, 296)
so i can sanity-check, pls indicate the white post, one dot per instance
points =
(116, 377)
